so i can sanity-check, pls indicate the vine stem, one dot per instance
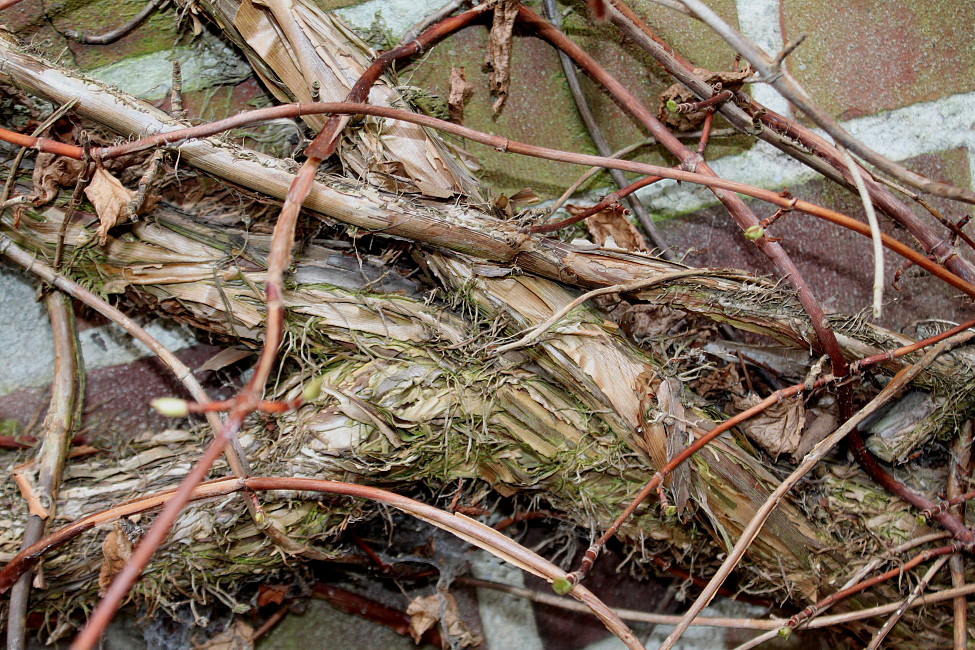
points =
(500, 143)
(465, 528)
(784, 134)
(236, 458)
(63, 414)
(914, 595)
(249, 397)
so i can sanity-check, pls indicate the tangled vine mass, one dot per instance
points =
(408, 348)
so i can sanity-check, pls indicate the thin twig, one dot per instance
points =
(249, 397)
(592, 171)
(501, 144)
(784, 134)
(117, 33)
(15, 165)
(599, 140)
(467, 529)
(537, 331)
(607, 201)
(427, 21)
(631, 615)
(830, 600)
(878, 246)
(959, 471)
(899, 381)
(914, 595)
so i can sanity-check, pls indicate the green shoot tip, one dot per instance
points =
(754, 232)
(312, 390)
(172, 407)
(561, 586)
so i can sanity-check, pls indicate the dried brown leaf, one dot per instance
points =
(729, 80)
(778, 429)
(239, 636)
(224, 358)
(525, 196)
(116, 551)
(271, 594)
(497, 60)
(720, 380)
(427, 611)
(820, 422)
(610, 229)
(110, 199)
(460, 92)
(52, 172)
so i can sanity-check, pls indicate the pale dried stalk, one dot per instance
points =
(878, 246)
(292, 44)
(533, 335)
(235, 454)
(569, 360)
(771, 127)
(66, 393)
(440, 225)
(599, 140)
(959, 471)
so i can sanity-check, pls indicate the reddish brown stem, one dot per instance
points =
(924, 556)
(88, 637)
(705, 133)
(781, 133)
(248, 398)
(608, 200)
(264, 406)
(745, 219)
(828, 342)
(371, 610)
(948, 521)
(693, 107)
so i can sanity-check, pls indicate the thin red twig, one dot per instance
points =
(924, 556)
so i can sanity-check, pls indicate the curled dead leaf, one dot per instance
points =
(52, 172)
(610, 229)
(460, 92)
(238, 636)
(778, 429)
(497, 60)
(116, 551)
(110, 199)
(680, 94)
(427, 611)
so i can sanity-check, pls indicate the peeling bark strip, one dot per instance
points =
(497, 59)
(292, 45)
